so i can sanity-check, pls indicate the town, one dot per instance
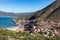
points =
(46, 28)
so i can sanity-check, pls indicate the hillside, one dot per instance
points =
(55, 15)
(11, 35)
(48, 12)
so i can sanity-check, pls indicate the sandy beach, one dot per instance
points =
(16, 29)
(13, 28)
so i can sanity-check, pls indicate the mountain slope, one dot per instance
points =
(43, 14)
(55, 15)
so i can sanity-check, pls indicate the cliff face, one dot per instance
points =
(48, 12)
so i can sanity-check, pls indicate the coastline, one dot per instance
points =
(13, 28)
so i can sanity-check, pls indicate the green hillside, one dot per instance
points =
(11, 35)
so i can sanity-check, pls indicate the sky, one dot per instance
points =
(22, 6)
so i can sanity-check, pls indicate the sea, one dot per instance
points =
(7, 22)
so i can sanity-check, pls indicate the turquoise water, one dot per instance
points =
(6, 22)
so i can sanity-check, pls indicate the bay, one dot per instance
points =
(6, 22)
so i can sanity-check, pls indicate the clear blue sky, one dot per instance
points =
(21, 6)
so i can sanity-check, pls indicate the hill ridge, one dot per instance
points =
(42, 15)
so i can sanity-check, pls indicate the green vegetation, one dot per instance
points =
(11, 35)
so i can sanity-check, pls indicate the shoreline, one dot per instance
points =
(13, 28)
